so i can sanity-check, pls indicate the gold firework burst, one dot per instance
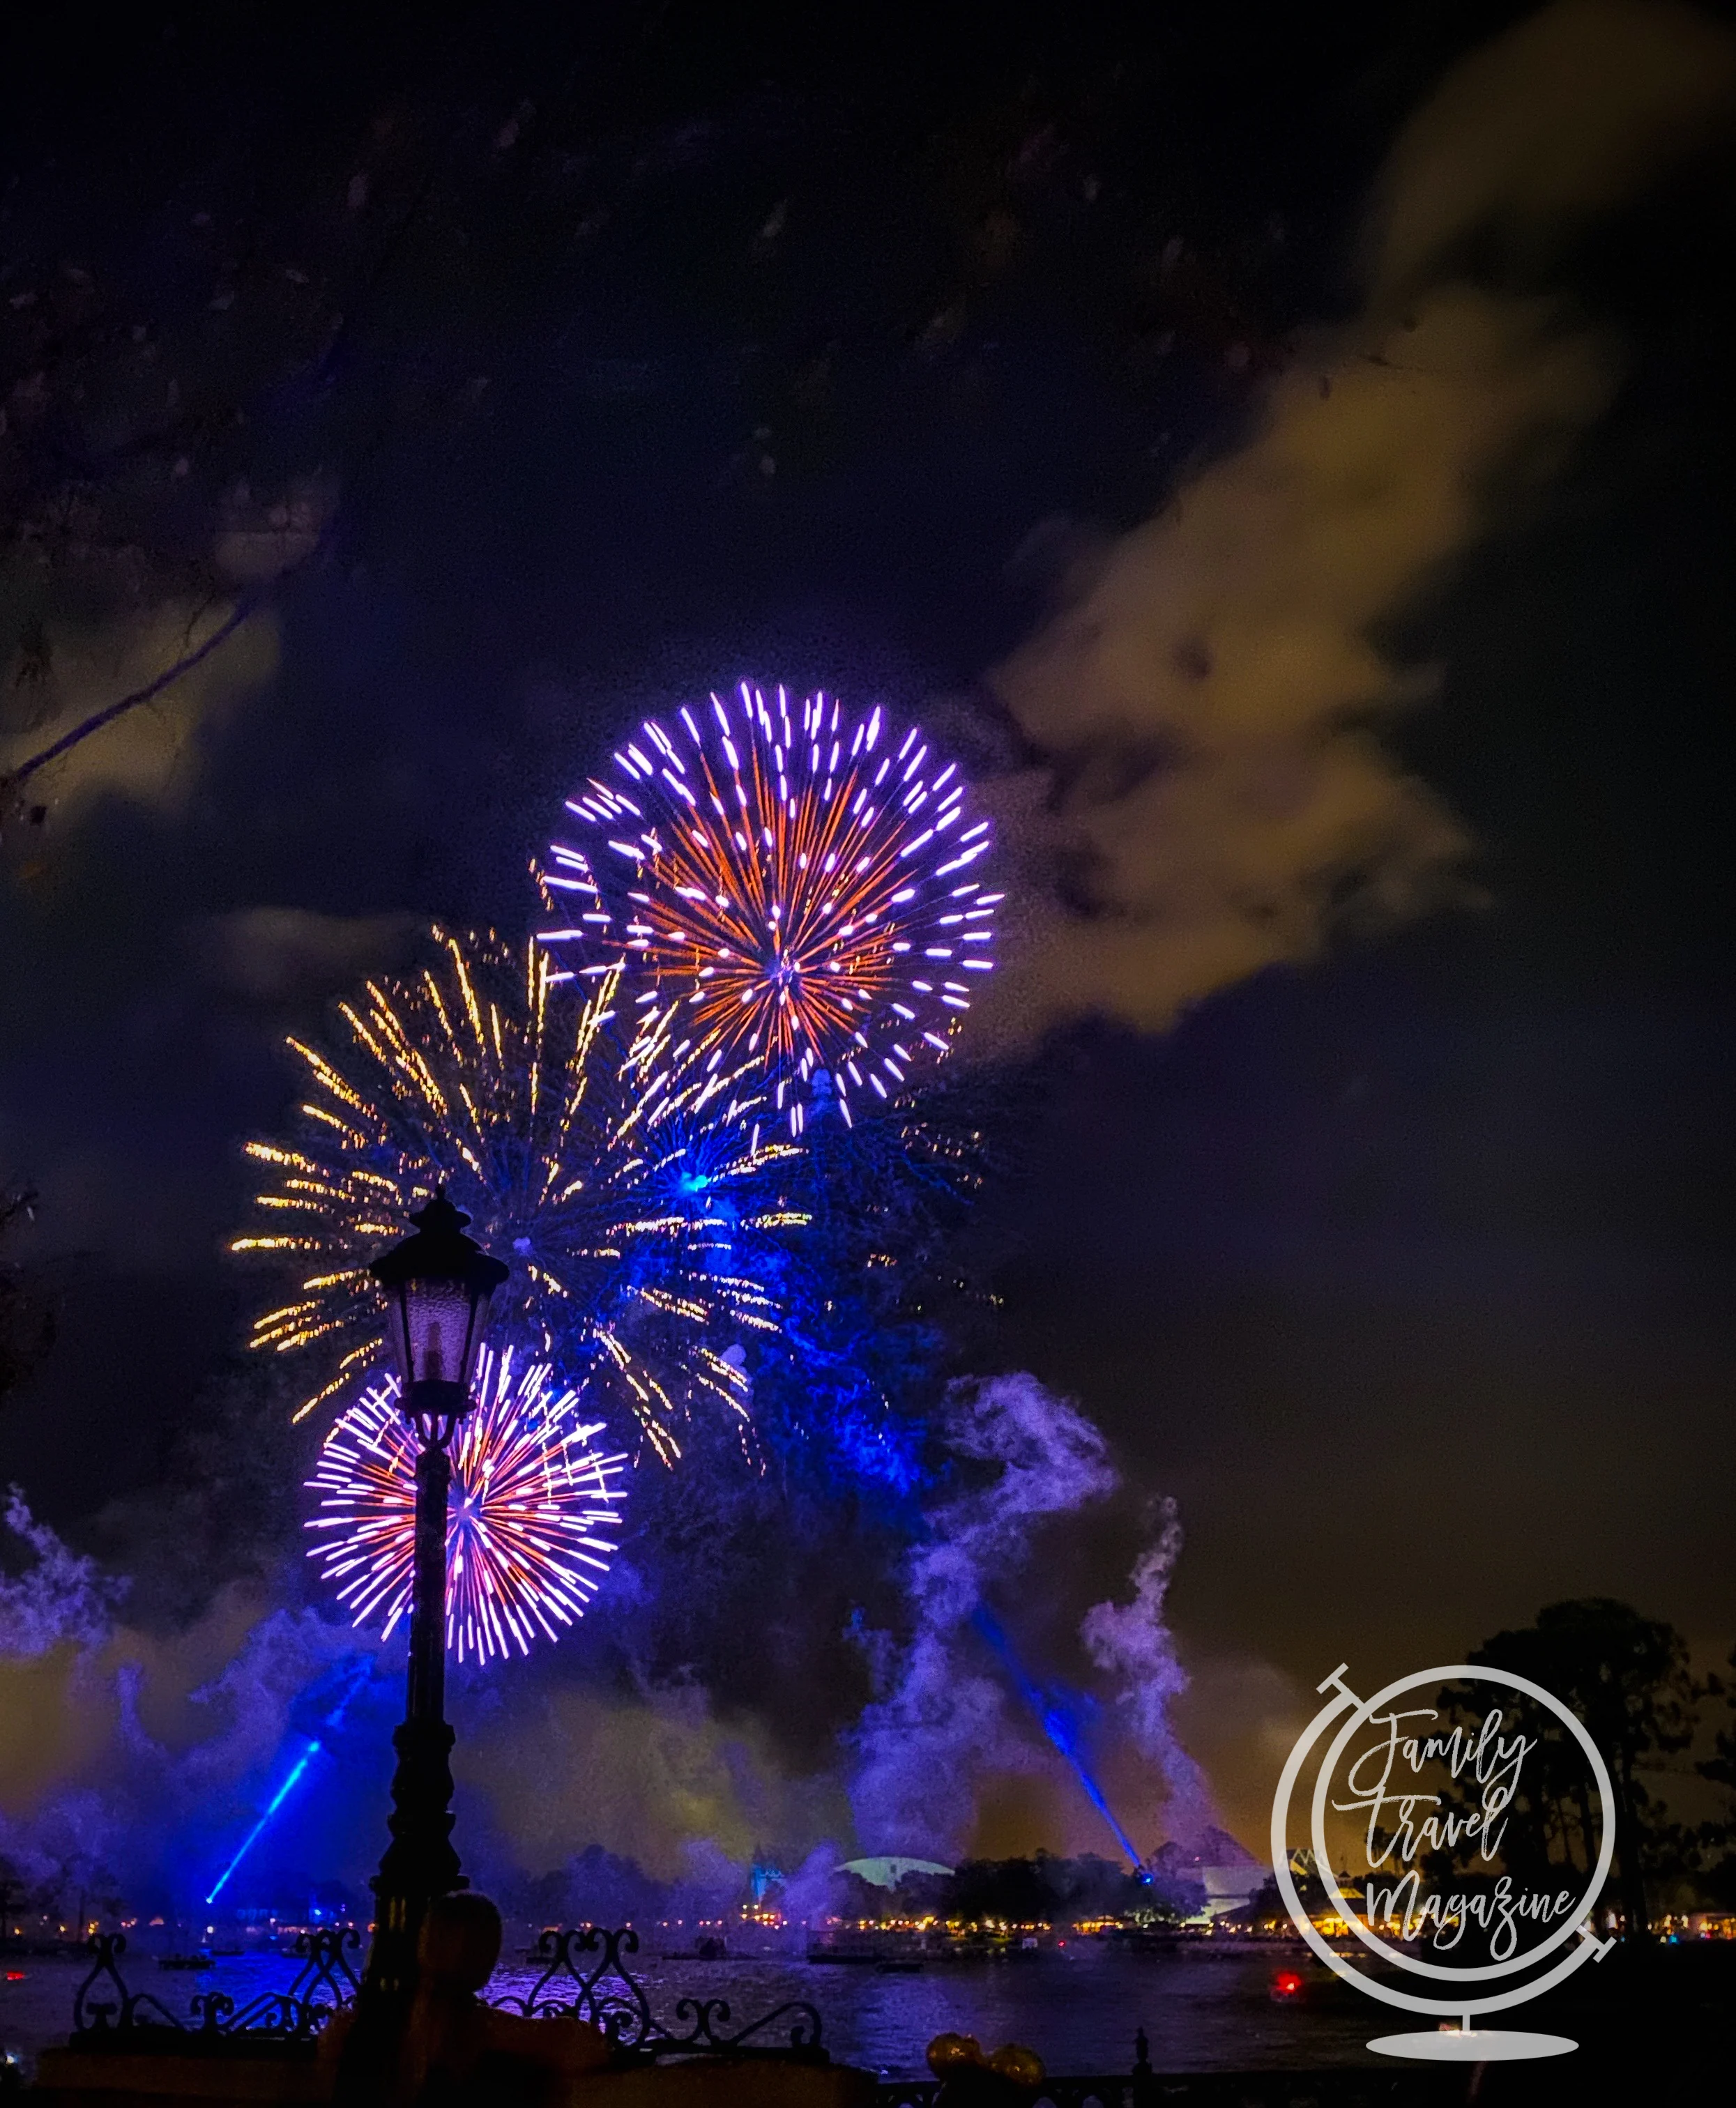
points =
(624, 1186)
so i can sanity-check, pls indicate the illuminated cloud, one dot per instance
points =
(942, 1721)
(150, 755)
(1132, 1642)
(1219, 800)
(125, 1753)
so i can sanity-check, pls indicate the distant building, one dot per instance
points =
(888, 1873)
(1227, 1871)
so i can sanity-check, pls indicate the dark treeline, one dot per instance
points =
(1049, 1890)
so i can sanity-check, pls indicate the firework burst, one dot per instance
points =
(534, 1512)
(785, 888)
(620, 1185)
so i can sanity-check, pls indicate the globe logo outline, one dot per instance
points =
(1475, 2000)
(1360, 1717)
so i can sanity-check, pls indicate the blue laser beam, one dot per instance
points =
(276, 1801)
(323, 1705)
(1058, 1723)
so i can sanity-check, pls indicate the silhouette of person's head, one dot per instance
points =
(460, 1943)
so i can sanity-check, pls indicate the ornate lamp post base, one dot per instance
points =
(420, 1862)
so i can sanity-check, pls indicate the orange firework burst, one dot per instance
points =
(789, 889)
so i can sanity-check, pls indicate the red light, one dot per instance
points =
(1287, 1986)
(15, 1975)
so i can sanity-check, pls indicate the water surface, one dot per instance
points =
(1078, 2008)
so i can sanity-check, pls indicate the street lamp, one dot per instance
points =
(439, 1284)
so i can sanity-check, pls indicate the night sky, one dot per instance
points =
(631, 354)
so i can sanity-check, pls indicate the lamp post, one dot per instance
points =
(439, 1284)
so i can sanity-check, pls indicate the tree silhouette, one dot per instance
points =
(1628, 1679)
(1715, 1843)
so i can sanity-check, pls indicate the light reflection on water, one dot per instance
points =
(1202, 2010)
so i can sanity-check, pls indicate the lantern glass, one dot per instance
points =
(440, 1324)
(438, 1286)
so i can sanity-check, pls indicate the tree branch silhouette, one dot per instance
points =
(248, 604)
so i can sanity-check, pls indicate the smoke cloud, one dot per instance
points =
(660, 1778)
(132, 1764)
(944, 1721)
(1131, 1642)
(128, 1761)
(816, 1890)
(1219, 801)
(59, 1600)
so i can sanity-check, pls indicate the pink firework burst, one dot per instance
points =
(535, 1514)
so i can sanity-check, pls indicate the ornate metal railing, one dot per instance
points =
(607, 1994)
(106, 2013)
(1054, 2093)
(586, 1976)
(603, 1991)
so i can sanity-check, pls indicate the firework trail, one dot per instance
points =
(626, 1190)
(784, 889)
(531, 1498)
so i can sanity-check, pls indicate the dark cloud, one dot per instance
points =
(279, 954)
